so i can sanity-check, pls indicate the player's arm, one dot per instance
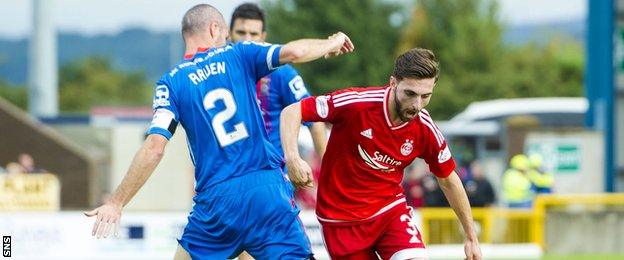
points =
(299, 171)
(305, 50)
(142, 166)
(144, 162)
(319, 137)
(457, 198)
(310, 109)
(291, 90)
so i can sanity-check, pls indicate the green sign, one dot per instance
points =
(559, 156)
(568, 158)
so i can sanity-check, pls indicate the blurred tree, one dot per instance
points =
(14, 94)
(93, 82)
(475, 64)
(555, 69)
(373, 26)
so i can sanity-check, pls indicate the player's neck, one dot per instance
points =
(392, 112)
(194, 45)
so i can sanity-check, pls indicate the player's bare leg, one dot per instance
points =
(181, 254)
(245, 256)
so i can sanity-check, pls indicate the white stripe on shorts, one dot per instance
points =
(410, 253)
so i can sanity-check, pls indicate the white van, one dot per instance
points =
(484, 118)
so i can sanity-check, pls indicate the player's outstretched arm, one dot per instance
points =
(305, 50)
(142, 166)
(457, 198)
(299, 171)
(319, 137)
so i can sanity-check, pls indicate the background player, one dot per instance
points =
(239, 186)
(376, 133)
(279, 89)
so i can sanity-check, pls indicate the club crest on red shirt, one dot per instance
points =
(407, 147)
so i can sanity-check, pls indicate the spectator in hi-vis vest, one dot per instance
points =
(542, 180)
(517, 188)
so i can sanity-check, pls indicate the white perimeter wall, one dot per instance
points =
(171, 185)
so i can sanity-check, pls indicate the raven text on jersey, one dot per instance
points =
(208, 70)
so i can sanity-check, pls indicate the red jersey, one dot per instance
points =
(363, 166)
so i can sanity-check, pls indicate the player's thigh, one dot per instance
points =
(351, 241)
(277, 231)
(401, 239)
(181, 254)
(213, 229)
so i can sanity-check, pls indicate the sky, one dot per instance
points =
(112, 16)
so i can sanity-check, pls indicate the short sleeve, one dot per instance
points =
(292, 87)
(331, 108)
(318, 109)
(165, 118)
(437, 153)
(262, 57)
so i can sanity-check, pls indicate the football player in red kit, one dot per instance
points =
(376, 133)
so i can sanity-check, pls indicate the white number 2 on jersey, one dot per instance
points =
(225, 138)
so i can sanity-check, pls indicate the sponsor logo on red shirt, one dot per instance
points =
(379, 161)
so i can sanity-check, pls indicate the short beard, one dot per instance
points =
(397, 107)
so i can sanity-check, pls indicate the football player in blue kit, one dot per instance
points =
(279, 89)
(242, 200)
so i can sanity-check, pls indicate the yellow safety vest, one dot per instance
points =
(541, 180)
(517, 187)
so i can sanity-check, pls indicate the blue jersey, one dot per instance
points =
(275, 92)
(213, 96)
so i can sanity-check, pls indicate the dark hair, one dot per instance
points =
(416, 63)
(247, 11)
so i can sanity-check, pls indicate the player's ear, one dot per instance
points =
(263, 37)
(393, 81)
(214, 29)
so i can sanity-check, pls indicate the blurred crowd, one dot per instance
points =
(422, 189)
(524, 179)
(521, 182)
(25, 164)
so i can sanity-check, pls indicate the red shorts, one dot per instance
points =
(393, 234)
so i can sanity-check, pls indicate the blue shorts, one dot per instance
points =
(255, 213)
(291, 187)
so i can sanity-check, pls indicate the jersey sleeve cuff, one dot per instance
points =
(307, 109)
(274, 54)
(445, 169)
(160, 131)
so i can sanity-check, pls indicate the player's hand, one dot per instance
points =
(345, 46)
(472, 250)
(300, 173)
(107, 218)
